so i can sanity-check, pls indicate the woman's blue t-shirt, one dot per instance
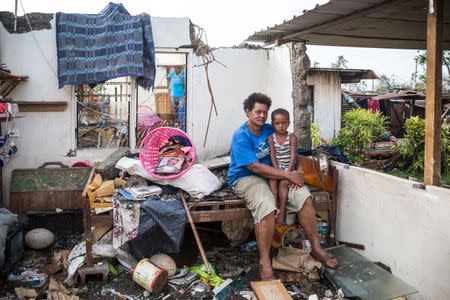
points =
(248, 148)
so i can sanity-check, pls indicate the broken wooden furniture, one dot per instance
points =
(8, 82)
(98, 270)
(51, 186)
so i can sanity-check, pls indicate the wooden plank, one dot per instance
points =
(433, 107)
(41, 106)
(220, 215)
(45, 200)
(234, 201)
(270, 290)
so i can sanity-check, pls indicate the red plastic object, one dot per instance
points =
(149, 150)
(3, 106)
(81, 164)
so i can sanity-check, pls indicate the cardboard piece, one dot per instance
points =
(270, 290)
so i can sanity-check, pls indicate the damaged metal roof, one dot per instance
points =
(348, 75)
(359, 23)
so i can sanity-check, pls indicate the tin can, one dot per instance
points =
(149, 276)
(322, 230)
(306, 245)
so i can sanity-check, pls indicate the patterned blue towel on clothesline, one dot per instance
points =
(93, 48)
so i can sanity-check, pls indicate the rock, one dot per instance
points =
(39, 238)
(103, 292)
(136, 181)
(164, 261)
(107, 168)
(146, 294)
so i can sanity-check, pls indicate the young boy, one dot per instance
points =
(283, 154)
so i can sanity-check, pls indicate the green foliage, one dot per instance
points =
(316, 132)
(362, 128)
(390, 84)
(412, 150)
(413, 147)
(420, 79)
(340, 63)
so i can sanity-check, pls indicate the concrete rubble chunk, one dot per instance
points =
(107, 168)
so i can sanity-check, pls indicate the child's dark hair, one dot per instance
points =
(280, 111)
(249, 103)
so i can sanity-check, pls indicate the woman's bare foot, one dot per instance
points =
(265, 272)
(326, 258)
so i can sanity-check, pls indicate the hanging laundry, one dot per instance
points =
(94, 48)
(373, 105)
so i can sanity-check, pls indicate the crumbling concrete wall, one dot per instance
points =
(38, 21)
(401, 225)
(300, 65)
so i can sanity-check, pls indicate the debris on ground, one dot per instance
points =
(25, 294)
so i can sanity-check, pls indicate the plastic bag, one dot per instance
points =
(198, 181)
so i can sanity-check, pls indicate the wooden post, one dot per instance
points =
(433, 109)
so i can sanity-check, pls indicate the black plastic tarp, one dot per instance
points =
(161, 227)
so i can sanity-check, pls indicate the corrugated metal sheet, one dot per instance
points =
(361, 23)
(348, 75)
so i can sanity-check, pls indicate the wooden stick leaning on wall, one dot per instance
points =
(87, 220)
(194, 231)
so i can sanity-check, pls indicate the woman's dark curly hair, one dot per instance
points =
(249, 103)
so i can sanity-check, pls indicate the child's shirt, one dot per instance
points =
(283, 152)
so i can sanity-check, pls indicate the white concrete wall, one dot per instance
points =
(327, 102)
(279, 86)
(404, 227)
(246, 73)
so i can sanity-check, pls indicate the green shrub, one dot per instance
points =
(361, 128)
(412, 150)
(316, 132)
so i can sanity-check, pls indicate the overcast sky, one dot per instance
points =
(229, 22)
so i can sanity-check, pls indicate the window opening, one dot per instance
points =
(165, 105)
(103, 114)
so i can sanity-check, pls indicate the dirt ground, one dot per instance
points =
(229, 261)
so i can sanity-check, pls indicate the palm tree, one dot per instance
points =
(341, 63)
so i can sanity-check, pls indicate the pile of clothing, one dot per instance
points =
(175, 155)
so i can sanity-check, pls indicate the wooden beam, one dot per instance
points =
(220, 215)
(433, 108)
(41, 106)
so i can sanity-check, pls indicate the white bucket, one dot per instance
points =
(149, 276)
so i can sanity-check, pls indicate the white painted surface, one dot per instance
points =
(401, 226)
(171, 32)
(246, 73)
(280, 80)
(327, 102)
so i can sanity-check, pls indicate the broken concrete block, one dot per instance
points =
(136, 181)
(107, 168)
